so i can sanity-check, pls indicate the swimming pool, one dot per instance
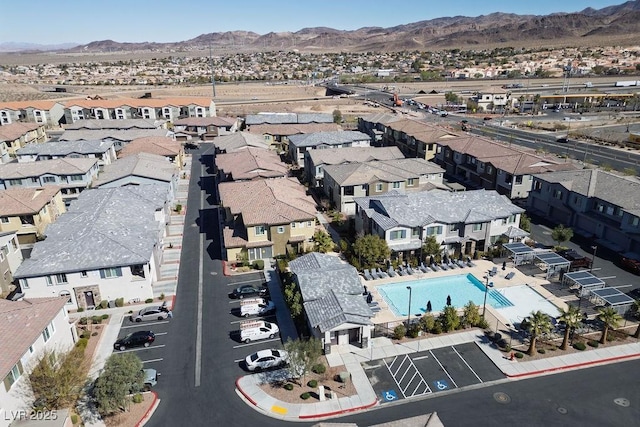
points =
(462, 288)
(525, 300)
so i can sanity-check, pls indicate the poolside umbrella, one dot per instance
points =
(429, 306)
(448, 299)
(431, 260)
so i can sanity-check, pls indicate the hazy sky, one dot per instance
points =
(65, 21)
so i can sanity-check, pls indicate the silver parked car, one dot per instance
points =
(160, 312)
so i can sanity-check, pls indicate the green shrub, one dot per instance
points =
(313, 383)
(519, 355)
(305, 395)
(437, 328)
(161, 296)
(593, 343)
(542, 351)
(399, 332)
(178, 207)
(82, 343)
(611, 337)
(82, 321)
(103, 304)
(96, 320)
(148, 300)
(74, 419)
(258, 264)
(137, 398)
(579, 346)
(483, 324)
(105, 316)
(319, 368)
(507, 348)
(119, 302)
(80, 309)
(413, 330)
(288, 386)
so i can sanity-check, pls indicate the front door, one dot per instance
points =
(88, 297)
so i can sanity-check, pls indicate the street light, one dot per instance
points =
(593, 260)
(409, 312)
(486, 289)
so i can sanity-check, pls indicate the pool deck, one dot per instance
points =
(386, 314)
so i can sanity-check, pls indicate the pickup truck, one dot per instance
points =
(577, 261)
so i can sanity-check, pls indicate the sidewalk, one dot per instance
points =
(351, 357)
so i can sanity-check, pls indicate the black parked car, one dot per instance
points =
(135, 339)
(247, 291)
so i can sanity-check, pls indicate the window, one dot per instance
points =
(280, 230)
(4, 219)
(137, 270)
(432, 231)
(24, 284)
(46, 333)
(34, 180)
(348, 190)
(77, 177)
(61, 278)
(398, 234)
(609, 210)
(410, 182)
(634, 221)
(511, 219)
(49, 281)
(293, 225)
(46, 179)
(13, 376)
(453, 227)
(260, 230)
(477, 227)
(84, 274)
(309, 223)
(557, 194)
(15, 182)
(518, 179)
(108, 273)
(489, 169)
(396, 185)
(378, 187)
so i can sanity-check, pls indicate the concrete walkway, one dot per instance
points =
(248, 387)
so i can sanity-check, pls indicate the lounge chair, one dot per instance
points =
(423, 267)
(469, 262)
(461, 263)
(452, 265)
(444, 266)
(510, 275)
(493, 271)
(391, 272)
(382, 274)
(409, 269)
(401, 271)
(435, 267)
(366, 274)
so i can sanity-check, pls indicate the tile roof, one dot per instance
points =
(22, 105)
(14, 131)
(138, 102)
(328, 138)
(382, 118)
(293, 129)
(115, 124)
(281, 118)
(64, 166)
(65, 148)
(27, 200)
(334, 156)
(160, 145)
(335, 309)
(142, 165)
(383, 170)
(206, 121)
(103, 228)
(21, 324)
(268, 201)
(115, 134)
(425, 207)
(251, 163)
(238, 141)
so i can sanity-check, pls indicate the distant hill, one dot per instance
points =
(22, 47)
(619, 24)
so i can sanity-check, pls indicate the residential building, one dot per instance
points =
(493, 99)
(415, 138)
(140, 169)
(170, 109)
(479, 162)
(316, 160)
(252, 163)
(286, 118)
(599, 206)
(10, 259)
(107, 246)
(29, 211)
(204, 128)
(462, 222)
(300, 144)
(277, 135)
(120, 124)
(237, 141)
(265, 218)
(164, 146)
(17, 135)
(334, 305)
(120, 138)
(345, 182)
(103, 151)
(47, 113)
(29, 328)
(374, 125)
(72, 175)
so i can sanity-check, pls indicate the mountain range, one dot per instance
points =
(618, 24)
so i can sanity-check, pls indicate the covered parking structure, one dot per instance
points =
(583, 280)
(612, 297)
(520, 253)
(552, 262)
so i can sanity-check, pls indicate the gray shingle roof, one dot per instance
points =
(112, 134)
(65, 148)
(328, 138)
(335, 309)
(334, 156)
(115, 124)
(65, 166)
(425, 207)
(103, 228)
(144, 165)
(281, 118)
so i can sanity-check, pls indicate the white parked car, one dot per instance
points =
(159, 312)
(265, 359)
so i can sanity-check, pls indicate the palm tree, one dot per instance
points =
(610, 318)
(537, 324)
(636, 310)
(571, 318)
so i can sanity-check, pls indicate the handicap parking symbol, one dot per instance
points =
(389, 395)
(441, 385)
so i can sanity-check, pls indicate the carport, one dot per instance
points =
(584, 281)
(612, 297)
(553, 263)
(520, 253)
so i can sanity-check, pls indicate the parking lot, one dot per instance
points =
(432, 371)
(153, 355)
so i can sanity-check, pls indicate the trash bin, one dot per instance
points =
(112, 304)
(344, 376)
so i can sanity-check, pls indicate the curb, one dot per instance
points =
(575, 365)
(150, 411)
(309, 417)
(225, 268)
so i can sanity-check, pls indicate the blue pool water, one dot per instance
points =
(462, 288)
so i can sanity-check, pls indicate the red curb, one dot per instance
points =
(149, 412)
(253, 402)
(225, 268)
(575, 365)
(173, 302)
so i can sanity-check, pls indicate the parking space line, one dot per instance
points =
(421, 357)
(256, 342)
(161, 333)
(422, 381)
(152, 360)
(236, 284)
(465, 362)
(442, 367)
(137, 325)
(141, 348)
